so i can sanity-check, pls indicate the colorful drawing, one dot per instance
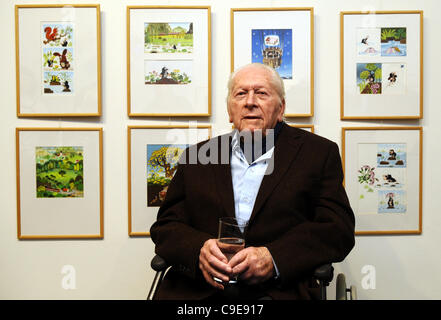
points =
(382, 187)
(57, 82)
(368, 41)
(168, 71)
(273, 47)
(393, 42)
(395, 78)
(392, 201)
(59, 172)
(57, 34)
(369, 77)
(175, 37)
(57, 58)
(391, 155)
(162, 162)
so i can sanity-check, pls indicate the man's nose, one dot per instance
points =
(251, 100)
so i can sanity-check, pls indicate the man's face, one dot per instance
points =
(254, 103)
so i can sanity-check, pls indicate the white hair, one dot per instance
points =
(275, 79)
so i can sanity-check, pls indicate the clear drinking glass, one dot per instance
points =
(230, 238)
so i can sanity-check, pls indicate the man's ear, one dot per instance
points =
(282, 110)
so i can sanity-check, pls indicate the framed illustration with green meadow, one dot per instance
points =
(168, 61)
(58, 64)
(59, 183)
(381, 61)
(383, 178)
(282, 38)
(153, 154)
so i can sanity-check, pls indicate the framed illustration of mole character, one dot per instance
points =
(383, 178)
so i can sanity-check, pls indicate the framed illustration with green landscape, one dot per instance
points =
(168, 61)
(58, 64)
(383, 178)
(153, 154)
(381, 65)
(59, 183)
(282, 38)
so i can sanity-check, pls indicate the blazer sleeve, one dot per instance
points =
(175, 240)
(326, 237)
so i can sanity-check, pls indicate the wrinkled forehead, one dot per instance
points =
(252, 78)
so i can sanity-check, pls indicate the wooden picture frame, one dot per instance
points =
(150, 150)
(59, 183)
(307, 127)
(256, 32)
(381, 61)
(383, 178)
(168, 61)
(58, 60)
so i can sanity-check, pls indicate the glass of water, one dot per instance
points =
(230, 238)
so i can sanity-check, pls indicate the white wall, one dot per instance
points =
(407, 267)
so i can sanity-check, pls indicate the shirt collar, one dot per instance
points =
(237, 150)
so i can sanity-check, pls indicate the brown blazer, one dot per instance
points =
(301, 214)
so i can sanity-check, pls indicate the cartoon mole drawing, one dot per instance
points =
(164, 72)
(389, 178)
(66, 86)
(390, 203)
(392, 155)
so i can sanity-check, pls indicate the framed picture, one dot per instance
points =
(59, 183)
(58, 64)
(307, 127)
(282, 38)
(153, 154)
(381, 65)
(383, 178)
(168, 61)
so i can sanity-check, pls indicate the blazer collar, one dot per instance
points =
(287, 146)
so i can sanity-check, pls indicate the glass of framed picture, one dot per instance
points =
(153, 154)
(59, 183)
(381, 65)
(168, 61)
(383, 178)
(282, 38)
(58, 65)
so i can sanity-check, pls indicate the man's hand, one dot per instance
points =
(253, 265)
(213, 263)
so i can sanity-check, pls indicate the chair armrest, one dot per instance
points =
(324, 273)
(158, 264)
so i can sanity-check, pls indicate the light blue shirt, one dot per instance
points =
(247, 178)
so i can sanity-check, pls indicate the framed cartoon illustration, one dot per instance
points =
(307, 127)
(59, 183)
(381, 65)
(58, 63)
(383, 178)
(282, 38)
(153, 154)
(168, 61)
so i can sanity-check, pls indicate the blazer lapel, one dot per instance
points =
(223, 179)
(286, 150)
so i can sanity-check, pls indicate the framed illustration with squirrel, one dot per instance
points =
(58, 60)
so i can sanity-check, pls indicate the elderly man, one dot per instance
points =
(298, 213)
